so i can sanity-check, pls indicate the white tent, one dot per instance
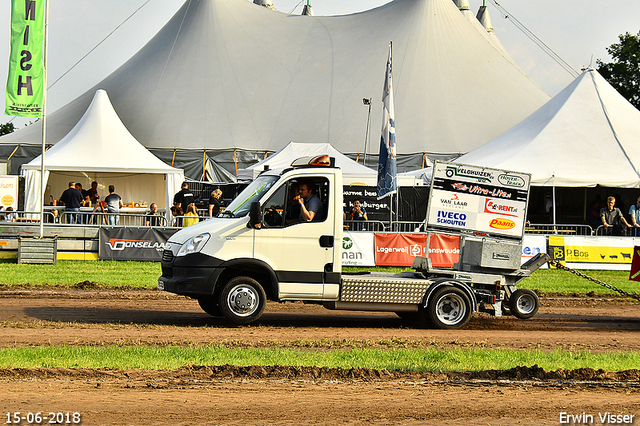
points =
(100, 148)
(352, 172)
(229, 75)
(587, 135)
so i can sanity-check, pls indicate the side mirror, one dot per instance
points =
(255, 215)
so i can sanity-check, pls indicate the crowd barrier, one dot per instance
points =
(364, 243)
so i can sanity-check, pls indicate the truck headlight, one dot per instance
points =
(193, 244)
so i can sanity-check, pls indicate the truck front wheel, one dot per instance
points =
(524, 303)
(209, 304)
(449, 308)
(242, 300)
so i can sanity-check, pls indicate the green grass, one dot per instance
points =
(144, 275)
(68, 273)
(172, 357)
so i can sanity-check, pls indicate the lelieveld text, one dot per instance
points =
(596, 419)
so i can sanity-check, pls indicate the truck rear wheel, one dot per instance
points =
(449, 308)
(524, 303)
(209, 304)
(242, 300)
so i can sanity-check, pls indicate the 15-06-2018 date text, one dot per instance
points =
(51, 417)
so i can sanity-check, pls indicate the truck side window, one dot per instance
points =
(273, 209)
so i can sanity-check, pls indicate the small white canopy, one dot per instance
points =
(587, 135)
(352, 172)
(101, 148)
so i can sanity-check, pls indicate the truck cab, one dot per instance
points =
(259, 248)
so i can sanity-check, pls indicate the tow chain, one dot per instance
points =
(602, 283)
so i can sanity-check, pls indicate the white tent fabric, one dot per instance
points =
(352, 172)
(229, 74)
(587, 135)
(100, 146)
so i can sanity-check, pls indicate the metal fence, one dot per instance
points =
(83, 218)
(621, 231)
(364, 226)
(546, 229)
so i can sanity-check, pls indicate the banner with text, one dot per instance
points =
(611, 253)
(376, 209)
(473, 198)
(531, 246)
(444, 250)
(132, 243)
(357, 249)
(402, 249)
(399, 249)
(25, 81)
(9, 192)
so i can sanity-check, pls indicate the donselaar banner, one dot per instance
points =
(144, 244)
(25, 81)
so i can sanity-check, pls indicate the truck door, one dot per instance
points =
(301, 253)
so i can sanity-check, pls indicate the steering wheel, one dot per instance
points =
(272, 217)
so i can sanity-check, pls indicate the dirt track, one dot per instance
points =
(270, 396)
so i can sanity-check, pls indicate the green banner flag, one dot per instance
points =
(25, 81)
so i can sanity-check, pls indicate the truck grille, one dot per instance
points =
(167, 256)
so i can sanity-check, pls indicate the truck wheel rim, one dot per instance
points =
(526, 304)
(450, 309)
(243, 300)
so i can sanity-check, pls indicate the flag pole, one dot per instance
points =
(44, 113)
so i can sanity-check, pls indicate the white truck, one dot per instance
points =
(256, 251)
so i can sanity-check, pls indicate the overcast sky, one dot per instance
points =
(577, 30)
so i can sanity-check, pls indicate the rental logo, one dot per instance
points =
(119, 244)
(491, 206)
(502, 224)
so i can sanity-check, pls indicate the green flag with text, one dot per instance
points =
(25, 81)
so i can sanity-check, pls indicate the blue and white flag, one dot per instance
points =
(387, 179)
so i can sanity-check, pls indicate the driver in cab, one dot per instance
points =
(311, 208)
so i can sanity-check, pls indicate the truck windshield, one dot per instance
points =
(254, 192)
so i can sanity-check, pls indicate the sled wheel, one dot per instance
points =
(524, 303)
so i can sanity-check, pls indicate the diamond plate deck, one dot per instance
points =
(383, 289)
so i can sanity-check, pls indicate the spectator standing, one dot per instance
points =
(214, 203)
(184, 197)
(153, 217)
(612, 218)
(54, 218)
(72, 199)
(191, 216)
(358, 213)
(114, 204)
(176, 212)
(93, 193)
(634, 212)
(11, 215)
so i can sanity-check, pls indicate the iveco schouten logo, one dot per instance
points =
(119, 244)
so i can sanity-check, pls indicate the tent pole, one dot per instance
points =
(235, 161)
(555, 231)
(204, 164)
(44, 114)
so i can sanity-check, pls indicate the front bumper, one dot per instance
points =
(191, 275)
